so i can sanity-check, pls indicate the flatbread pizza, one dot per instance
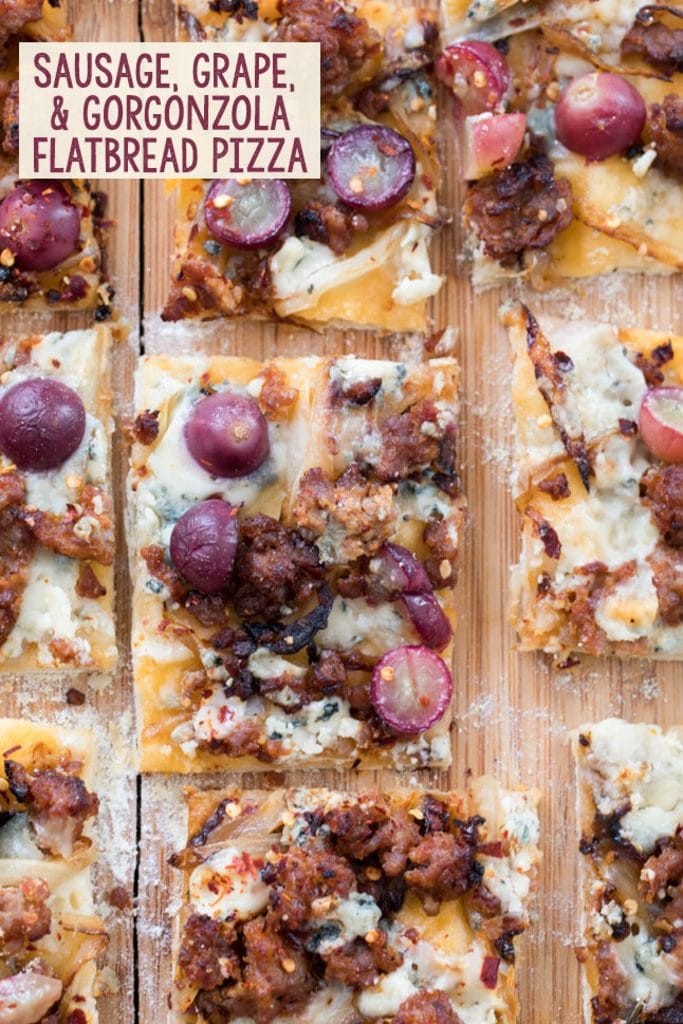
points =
(49, 935)
(569, 123)
(598, 486)
(312, 904)
(631, 812)
(56, 562)
(353, 248)
(328, 498)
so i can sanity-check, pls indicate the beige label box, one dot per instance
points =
(169, 110)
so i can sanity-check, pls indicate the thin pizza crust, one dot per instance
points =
(451, 950)
(593, 565)
(180, 678)
(384, 279)
(630, 778)
(77, 936)
(57, 628)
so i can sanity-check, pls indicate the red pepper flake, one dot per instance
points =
(489, 971)
(76, 1017)
(493, 849)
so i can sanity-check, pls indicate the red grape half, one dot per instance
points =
(42, 423)
(429, 619)
(371, 167)
(661, 423)
(411, 688)
(203, 544)
(248, 214)
(39, 224)
(477, 73)
(599, 115)
(227, 434)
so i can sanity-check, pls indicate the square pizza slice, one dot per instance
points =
(569, 119)
(631, 813)
(52, 247)
(294, 533)
(51, 233)
(599, 486)
(50, 936)
(312, 904)
(56, 575)
(353, 247)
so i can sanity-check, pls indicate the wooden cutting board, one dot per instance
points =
(513, 712)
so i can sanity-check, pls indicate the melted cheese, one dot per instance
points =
(354, 623)
(228, 887)
(426, 967)
(509, 878)
(351, 370)
(647, 213)
(350, 918)
(51, 610)
(604, 386)
(602, 367)
(315, 728)
(610, 524)
(218, 716)
(648, 975)
(15, 840)
(629, 611)
(640, 763)
(263, 664)
(308, 275)
(599, 24)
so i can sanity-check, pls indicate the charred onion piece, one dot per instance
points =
(553, 387)
(290, 637)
